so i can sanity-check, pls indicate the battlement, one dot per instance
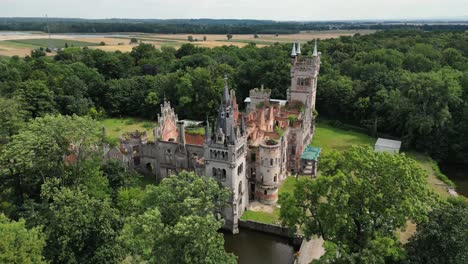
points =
(260, 93)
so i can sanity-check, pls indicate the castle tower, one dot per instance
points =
(269, 171)
(225, 160)
(304, 73)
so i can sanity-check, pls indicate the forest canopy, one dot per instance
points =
(407, 84)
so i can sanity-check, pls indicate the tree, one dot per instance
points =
(18, 244)
(79, 228)
(204, 38)
(43, 150)
(12, 118)
(37, 98)
(102, 43)
(190, 38)
(358, 203)
(133, 41)
(178, 223)
(229, 36)
(444, 238)
(255, 36)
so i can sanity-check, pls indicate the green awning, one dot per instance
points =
(311, 153)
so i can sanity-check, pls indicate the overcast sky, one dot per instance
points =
(255, 9)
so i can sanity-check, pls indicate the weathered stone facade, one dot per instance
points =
(250, 153)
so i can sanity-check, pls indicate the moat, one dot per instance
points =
(259, 248)
(458, 173)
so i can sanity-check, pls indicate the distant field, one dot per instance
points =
(22, 45)
(56, 43)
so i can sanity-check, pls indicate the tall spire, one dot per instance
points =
(207, 131)
(298, 49)
(225, 91)
(242, 126)
(293, 51)
(315, 54)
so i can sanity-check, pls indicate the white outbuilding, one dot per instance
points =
(387, 145)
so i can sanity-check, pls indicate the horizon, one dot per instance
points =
(280, 11)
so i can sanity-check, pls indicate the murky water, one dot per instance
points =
(259, 248)
(458, 173)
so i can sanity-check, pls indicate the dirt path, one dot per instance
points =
(310, 250)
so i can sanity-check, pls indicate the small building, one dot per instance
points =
(387, 145)
(309, 160)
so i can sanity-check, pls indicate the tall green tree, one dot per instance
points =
(178, 222)
(358, 203)
(79, 227)
(444, 238)
(19, 244)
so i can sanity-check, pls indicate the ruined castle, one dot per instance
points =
(250, 153)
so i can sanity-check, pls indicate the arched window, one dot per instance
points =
(265, 192)
(271, 162)
(224, 174)
(275, 179)
(240, 187)
(214, 172)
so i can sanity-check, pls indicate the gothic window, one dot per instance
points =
(252, 172)
(271, 162)
(240, 168)
(214, 172)
(253, 157)
(224, 174)
(265, 192)
(275, 179)
(240, 187)
(168, 155)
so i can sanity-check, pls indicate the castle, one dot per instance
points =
(250, 153)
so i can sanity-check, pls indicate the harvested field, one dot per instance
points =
(22, 43)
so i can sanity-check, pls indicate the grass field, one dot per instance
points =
(56, 43)
(115, 127)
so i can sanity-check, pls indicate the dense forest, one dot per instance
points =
(210, 26)
(60, 203)
(406, 84)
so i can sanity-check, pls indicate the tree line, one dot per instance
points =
(210, 26)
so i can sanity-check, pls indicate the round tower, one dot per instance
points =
(269, 170)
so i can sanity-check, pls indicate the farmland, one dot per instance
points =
(21, 44)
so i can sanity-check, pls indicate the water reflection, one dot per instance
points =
(256, 247)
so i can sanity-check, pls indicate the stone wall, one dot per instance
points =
(296, 240)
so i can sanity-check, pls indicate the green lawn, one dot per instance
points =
(56, 43)
(330, 138)
(115, 127)
(262, 217)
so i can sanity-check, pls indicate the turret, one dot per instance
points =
(315, 53)
(298, 49)
(226, 100)
(293, 51)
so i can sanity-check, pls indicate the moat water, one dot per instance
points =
(458, 173)
(259, 248)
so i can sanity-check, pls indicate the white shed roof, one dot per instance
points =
(279, 101)
(388, 143)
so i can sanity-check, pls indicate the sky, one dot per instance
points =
(242, 9)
